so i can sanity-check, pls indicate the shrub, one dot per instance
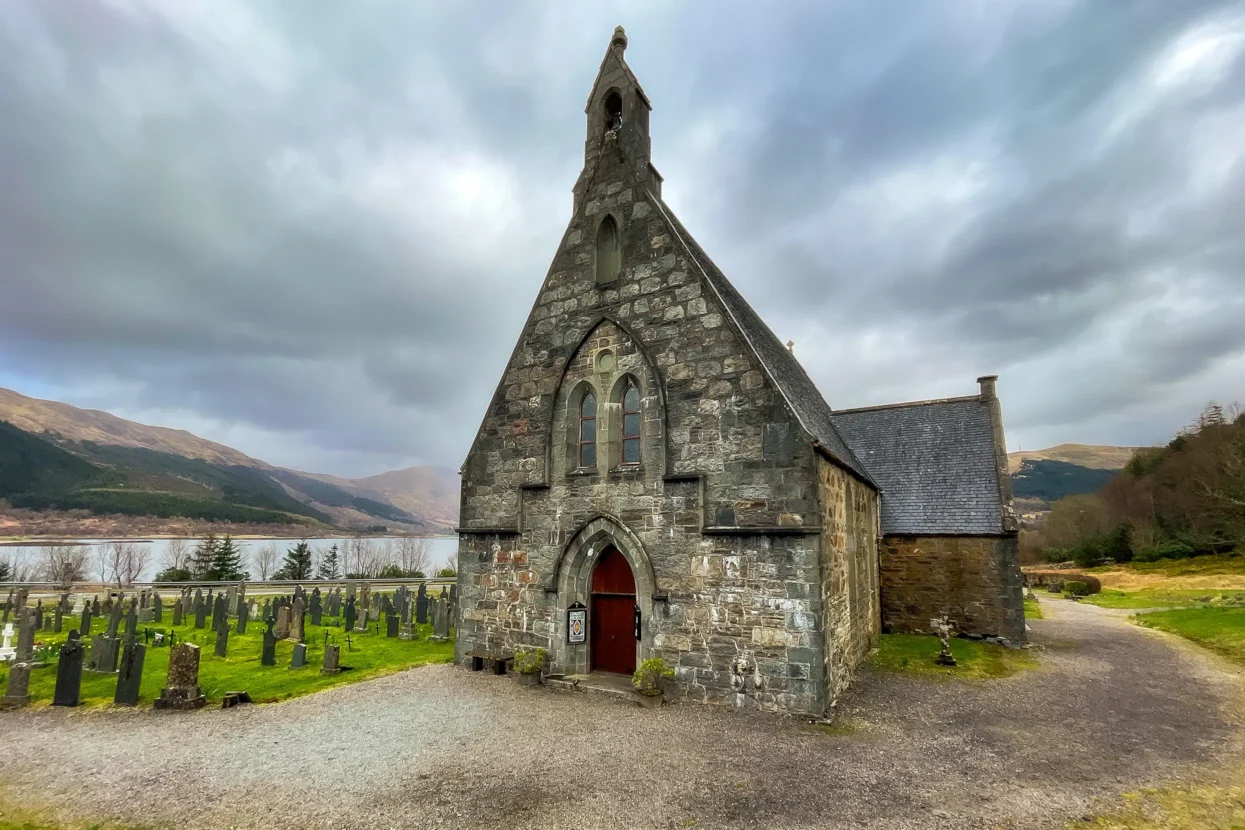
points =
(529, 661)
(1055, 581)
(649, 676)
(1076, 588)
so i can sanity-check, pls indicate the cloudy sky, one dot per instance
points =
(312, 230)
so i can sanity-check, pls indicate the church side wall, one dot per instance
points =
(851, 618)
(975, 580)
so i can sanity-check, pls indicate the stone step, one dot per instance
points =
(611, 687)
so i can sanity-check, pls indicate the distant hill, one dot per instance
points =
(1091, 456)
(159, 471)
(431, 492)
(1044, 476)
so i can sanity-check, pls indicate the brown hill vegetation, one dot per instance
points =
(1093, 456)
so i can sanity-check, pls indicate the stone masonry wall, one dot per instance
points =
(974, 579)
(739, 615)
(851, 618)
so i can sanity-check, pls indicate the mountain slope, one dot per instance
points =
(431, 492)
(1090, 456)
(175, 470)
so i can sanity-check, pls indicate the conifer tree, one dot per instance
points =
(201, 560)
(6, 570)
(297, 564)
(328, 565)
(227, 561)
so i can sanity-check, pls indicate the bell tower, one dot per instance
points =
(617, 120)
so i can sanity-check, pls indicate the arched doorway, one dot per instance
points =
(613, 614)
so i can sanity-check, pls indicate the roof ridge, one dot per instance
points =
(929, 402)
(733, 303)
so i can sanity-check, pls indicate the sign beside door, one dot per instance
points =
(577, 623)
(637, 622)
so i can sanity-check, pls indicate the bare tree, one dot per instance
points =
(413, 554)
(176, 555)
(367, 558)
(126, 561)
(22, 567)
(64, 564)
(266, 560)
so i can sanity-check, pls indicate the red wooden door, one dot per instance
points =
(613, 614)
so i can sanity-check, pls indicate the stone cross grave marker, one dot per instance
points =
(7, 652)
(182, 686)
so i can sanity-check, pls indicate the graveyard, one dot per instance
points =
(269, 648)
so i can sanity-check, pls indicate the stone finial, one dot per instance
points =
(620, 38)
(791, 346)
(987, 386)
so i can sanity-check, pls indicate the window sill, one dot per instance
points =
(582, 471)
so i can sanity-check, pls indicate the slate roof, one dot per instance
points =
(934, 461)
(778, 362)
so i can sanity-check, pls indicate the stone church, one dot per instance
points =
(656, 474)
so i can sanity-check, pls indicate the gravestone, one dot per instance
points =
(219, 618)
(296, 620)
(441, 620)
(57, 621)
(39, 615)
(244, 614)
(7, 652)
(69, 673)
(146, 615)
(269, 655)
(78, 605)
(421, 604)
(17, 692)
(335, 602)
(391, 625)
(332, 659)
(222, 640)
(200, 611)
(350, 590)
(87, 618)
(231, 601)
(157, 607)
(362, 625)
(131, 622)
(8, 603)
(267, 611)
(188, 603)
(182, 687)
(315, 607)
(95, 605)
(114, 617)
(177, 613)
(350, 613)
(409, 630)
(299, 658)
(283, 623)
(103, 656)
(130, 675)
(365, 597)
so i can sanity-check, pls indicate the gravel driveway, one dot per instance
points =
(1112, 709)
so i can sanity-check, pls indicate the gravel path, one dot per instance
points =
(1112, 709)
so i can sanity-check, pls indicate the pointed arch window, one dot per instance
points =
(609, 257)
(631, 424)
(588, 431)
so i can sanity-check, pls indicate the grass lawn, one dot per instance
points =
(1213, 806)
(1033, 610)
(1224, 571)
(1219, 629)
(1164, 598)
(915, 653)
(370, 654)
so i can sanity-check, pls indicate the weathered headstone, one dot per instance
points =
(296, 620)
(365, 597)
(182, 687)
(269, 655)
(391, 625)
(350, 613)
(87, 618)
(130, 675)
(244, 615)
(222, 640)
(335, 602)
(39, 615)
(200, 610)
(219, 618)
(57, 616)
(351, 588)
(69, 673)
(157, 607)
(315, 607)
(283, 623)
(17, 692)
(188, 603)
(362, 624)
(8, 606)
(103, 655)
(421, 604)
(231, 601)
(332, 659)
(299, 658)
(95, 605)
(268, 610)
(441, 621)
(177, 613)
(131, 622)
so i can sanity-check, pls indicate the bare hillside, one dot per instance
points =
(1093, 456)
(70, 422)
(430, 492)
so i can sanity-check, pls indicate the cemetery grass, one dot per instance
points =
(1033, 610)
(915, 653)
(1221, 630)
(370, 655)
